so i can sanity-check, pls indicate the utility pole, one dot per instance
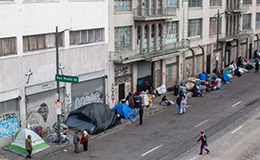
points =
(218, 17)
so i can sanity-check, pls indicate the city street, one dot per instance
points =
(230, 118)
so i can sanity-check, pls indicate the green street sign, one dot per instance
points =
(64, 78)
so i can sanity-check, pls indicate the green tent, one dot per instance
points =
(18, 146)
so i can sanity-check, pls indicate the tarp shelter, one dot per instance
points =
(95, 118)
(124, 110)
(18, 146)
(203, 77)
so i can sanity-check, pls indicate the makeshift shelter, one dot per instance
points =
(18, 146)
(95, 118)
(203, 77)
(125, 111)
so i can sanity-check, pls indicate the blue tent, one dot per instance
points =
(124, 110)
(203, 77)
(226, 78)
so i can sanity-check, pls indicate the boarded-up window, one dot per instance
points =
(38, 42)
(7, 46)
(194, 28)
(246, 21)
(171, 32)
(122, 39)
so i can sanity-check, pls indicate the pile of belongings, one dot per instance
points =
(241, 68)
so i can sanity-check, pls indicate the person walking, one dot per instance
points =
(138, 103)
(141, 112)
(183, 105)
(76, 142)
(256, 66)
(84, 139)
(178, 104)
(204, 144)
(28, 146)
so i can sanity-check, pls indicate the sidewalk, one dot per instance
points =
(54, 148)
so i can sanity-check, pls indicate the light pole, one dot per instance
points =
(57, 35)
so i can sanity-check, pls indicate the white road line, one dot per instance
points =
(202, 123)
(237, 129)
(236, 104)
(152, 150)
(194, 157)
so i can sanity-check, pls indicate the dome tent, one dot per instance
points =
(18, 145)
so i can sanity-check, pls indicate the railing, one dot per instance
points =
(236, 34)
(149, 12)
(144, 52)
(238, 6)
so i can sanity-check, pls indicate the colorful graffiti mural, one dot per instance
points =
(9, 126)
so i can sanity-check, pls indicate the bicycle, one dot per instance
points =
(53, 137)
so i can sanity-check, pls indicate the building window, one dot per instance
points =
(194, 28)
(38, 42)
(122, 5)
(153, 38)
(86, 36)
(258, 1)
(246, 21)
(7, 46)
(172, 3)
(195, 3)
(257, 20)
(171, 32)
(215, 2)
(247, 1)
(122, 39)
(213, 26)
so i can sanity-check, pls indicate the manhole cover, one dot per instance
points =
(2, 155)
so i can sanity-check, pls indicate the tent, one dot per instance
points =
(94, 117)
(18, 146)
(124, 110)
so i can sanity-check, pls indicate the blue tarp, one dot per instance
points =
(124, 110)
(203, 77)
(226, 78)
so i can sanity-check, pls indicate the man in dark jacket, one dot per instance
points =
(28, 146)
(76, 142)
(256, 66)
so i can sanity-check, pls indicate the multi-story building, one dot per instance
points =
(28, 59)
(154, 42)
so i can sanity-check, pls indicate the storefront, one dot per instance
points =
(144, 76)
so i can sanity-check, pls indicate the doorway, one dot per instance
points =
(227, 54)
(208, 64)
(250, 51)
(121, 93)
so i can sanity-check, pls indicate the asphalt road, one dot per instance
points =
(166, 136)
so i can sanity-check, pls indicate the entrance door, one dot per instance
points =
(121, 91)
(208, 64)
(250, 51)
(227, 58)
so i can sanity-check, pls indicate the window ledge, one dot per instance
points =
(86, 45)
(195, 8)
(28, 53)
(123, 12)
(40, 1)
(7, 2)
(8, 56)
(85, 0)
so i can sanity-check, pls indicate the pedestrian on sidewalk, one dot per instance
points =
(28, 146)
(130, 99)
(141, 112)
(84, 139)
(76, 142)
(183, 105)
(204, 144)
(138, 102)
(178, 104)
(256, 66)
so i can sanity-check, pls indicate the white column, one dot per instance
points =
(163, 67)
(185, 4)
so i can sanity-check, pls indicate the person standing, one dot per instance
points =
(28, 146)
(76, 142)
(141, 112)
(178, 103)
(138, 103)
(183, 105)
(256, 66)
(204, 143)
(130, 100)
(84, 139)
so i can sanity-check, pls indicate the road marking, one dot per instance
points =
(202, 123)
(236, 104)
(194, 157)
(237, 129)
(152, 150)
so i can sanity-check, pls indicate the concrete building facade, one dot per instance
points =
(28, 59)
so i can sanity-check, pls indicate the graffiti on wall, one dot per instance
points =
(44, 111)
(9, 126)
(88, 98)
(119, 72)
(113, 92)
(7, 115)
(188, 70)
